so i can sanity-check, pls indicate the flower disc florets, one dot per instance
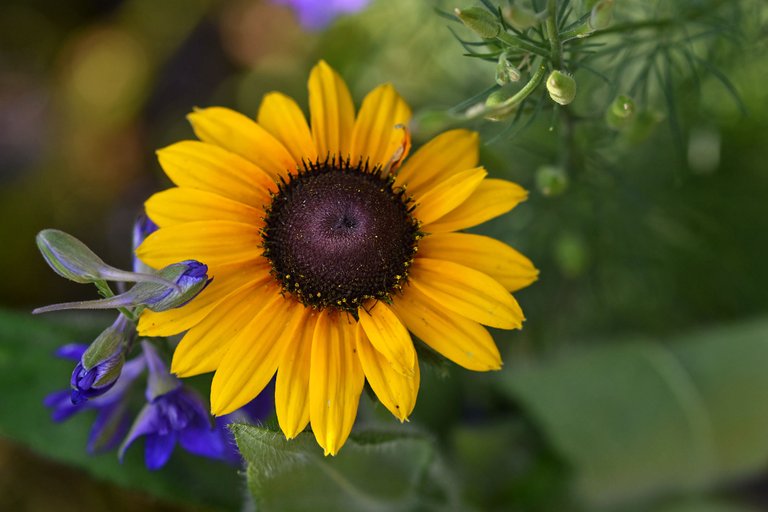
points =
(337, 234)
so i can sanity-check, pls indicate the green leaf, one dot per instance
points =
(374, 471)
(641, 418)
(29, 371)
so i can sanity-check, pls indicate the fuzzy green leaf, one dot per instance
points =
(642, 418)
(374, 471)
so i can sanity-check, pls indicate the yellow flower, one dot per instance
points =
(325, 252)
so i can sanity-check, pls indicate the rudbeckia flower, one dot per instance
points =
(328, 249)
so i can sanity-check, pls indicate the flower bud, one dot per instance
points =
(481, 21)
(520, 18)
(561, 87)
(71, 258)
(505, 71)
(101, 364)
(551, 180)
(185, 280)
(191, 276)
(620, 112)
(601, 15)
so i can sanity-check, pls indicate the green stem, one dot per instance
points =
(556, 50)
(515, 42)
(105, 291)
(523, 93)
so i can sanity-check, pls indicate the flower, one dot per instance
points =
(172, 414)
(101, 364)
(326, 250)
(317, 14)
(111, 423)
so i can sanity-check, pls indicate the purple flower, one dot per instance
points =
(253, 412)
(173, 414)
(317, 14)
(111, 423)
(142, 228)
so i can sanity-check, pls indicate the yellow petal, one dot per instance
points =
(461, 340)
(396, 391)
(292, 386)
(215, 243)
(332, 112)
(467, 292)
(194, 164)
(203, 347)
(500, 261)
(283, 118)
(376, 135)
(253, 356)
(227, 280)
(448, 153)
(388, 334)
(237, 133)
(447, 195)
(491, 199)
(180, 205)
(335, 381)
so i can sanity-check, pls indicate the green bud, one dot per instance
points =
(561, 87)
(601, 15)
(520, 17)
(505, 71)
(479, 20)
(571, 254)
(620, 112)
(551, 180)
(71, 258)
(642, 125)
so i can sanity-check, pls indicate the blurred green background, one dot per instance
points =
(640, 380)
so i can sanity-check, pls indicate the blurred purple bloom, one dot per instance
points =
(317, 14)
(142, 228)
(251, 413)
(173, 414)
(111, 423)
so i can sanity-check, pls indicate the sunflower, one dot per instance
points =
(327, 250)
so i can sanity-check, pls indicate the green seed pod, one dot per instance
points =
(495, 104)
(479, 20)
(620, 113)
(551, 180)
(561, 87)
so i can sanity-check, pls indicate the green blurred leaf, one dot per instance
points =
(374, 471)
(29, 371)
(640, 419)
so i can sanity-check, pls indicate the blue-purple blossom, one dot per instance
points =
(101, 363)
(142, 228)
(112, 418)
(317, 14)
(253, 412)
(173, 414)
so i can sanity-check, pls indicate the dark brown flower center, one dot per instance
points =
(338, 234)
